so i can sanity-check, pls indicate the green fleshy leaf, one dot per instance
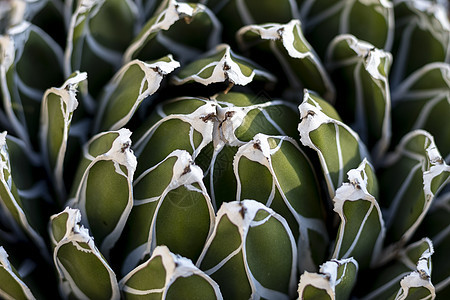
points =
(11, 285)
(275, 171)
(186, 119)
(104, 192)
(360, 72)
(241, 267)
(183, 29)
(11, 204)
(326, 19)
(300, 65)
(168, 276)
(171, 207)
(60, 226)
(26, 171)
(338, 147)
(335, 280)
(58, 105)
(415, 172)
(82, 270)
(361, 231)
(131, 85)
(239, 117)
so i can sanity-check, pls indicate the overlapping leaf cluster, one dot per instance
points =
(228, 149)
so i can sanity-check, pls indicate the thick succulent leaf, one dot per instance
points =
(99, 32)
(325, 19)
(361, 231)
(35, 196)
(11, 204)
(168, 276)
(221, 65)
(408, 277)
(188, 120)
(275, 171)
(58, 105)
(234, 258)
(425, 94)
(422, 33)
(414, 173)
(183, 29)
(437, 225)
(171, 207)
(335, 280)
(360, 72)
(30, 63)
(133, 83)
(338, 147)
(299, 63)
(27, 265)
(238, 118)
(236, 13)
(11, 285)
(83, 271)
(103, 190)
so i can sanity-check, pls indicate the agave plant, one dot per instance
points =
(231, 149)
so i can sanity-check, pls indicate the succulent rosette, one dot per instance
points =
(232, 149)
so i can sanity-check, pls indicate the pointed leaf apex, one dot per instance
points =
(3, 138)
(121, 152)
(184, 170)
